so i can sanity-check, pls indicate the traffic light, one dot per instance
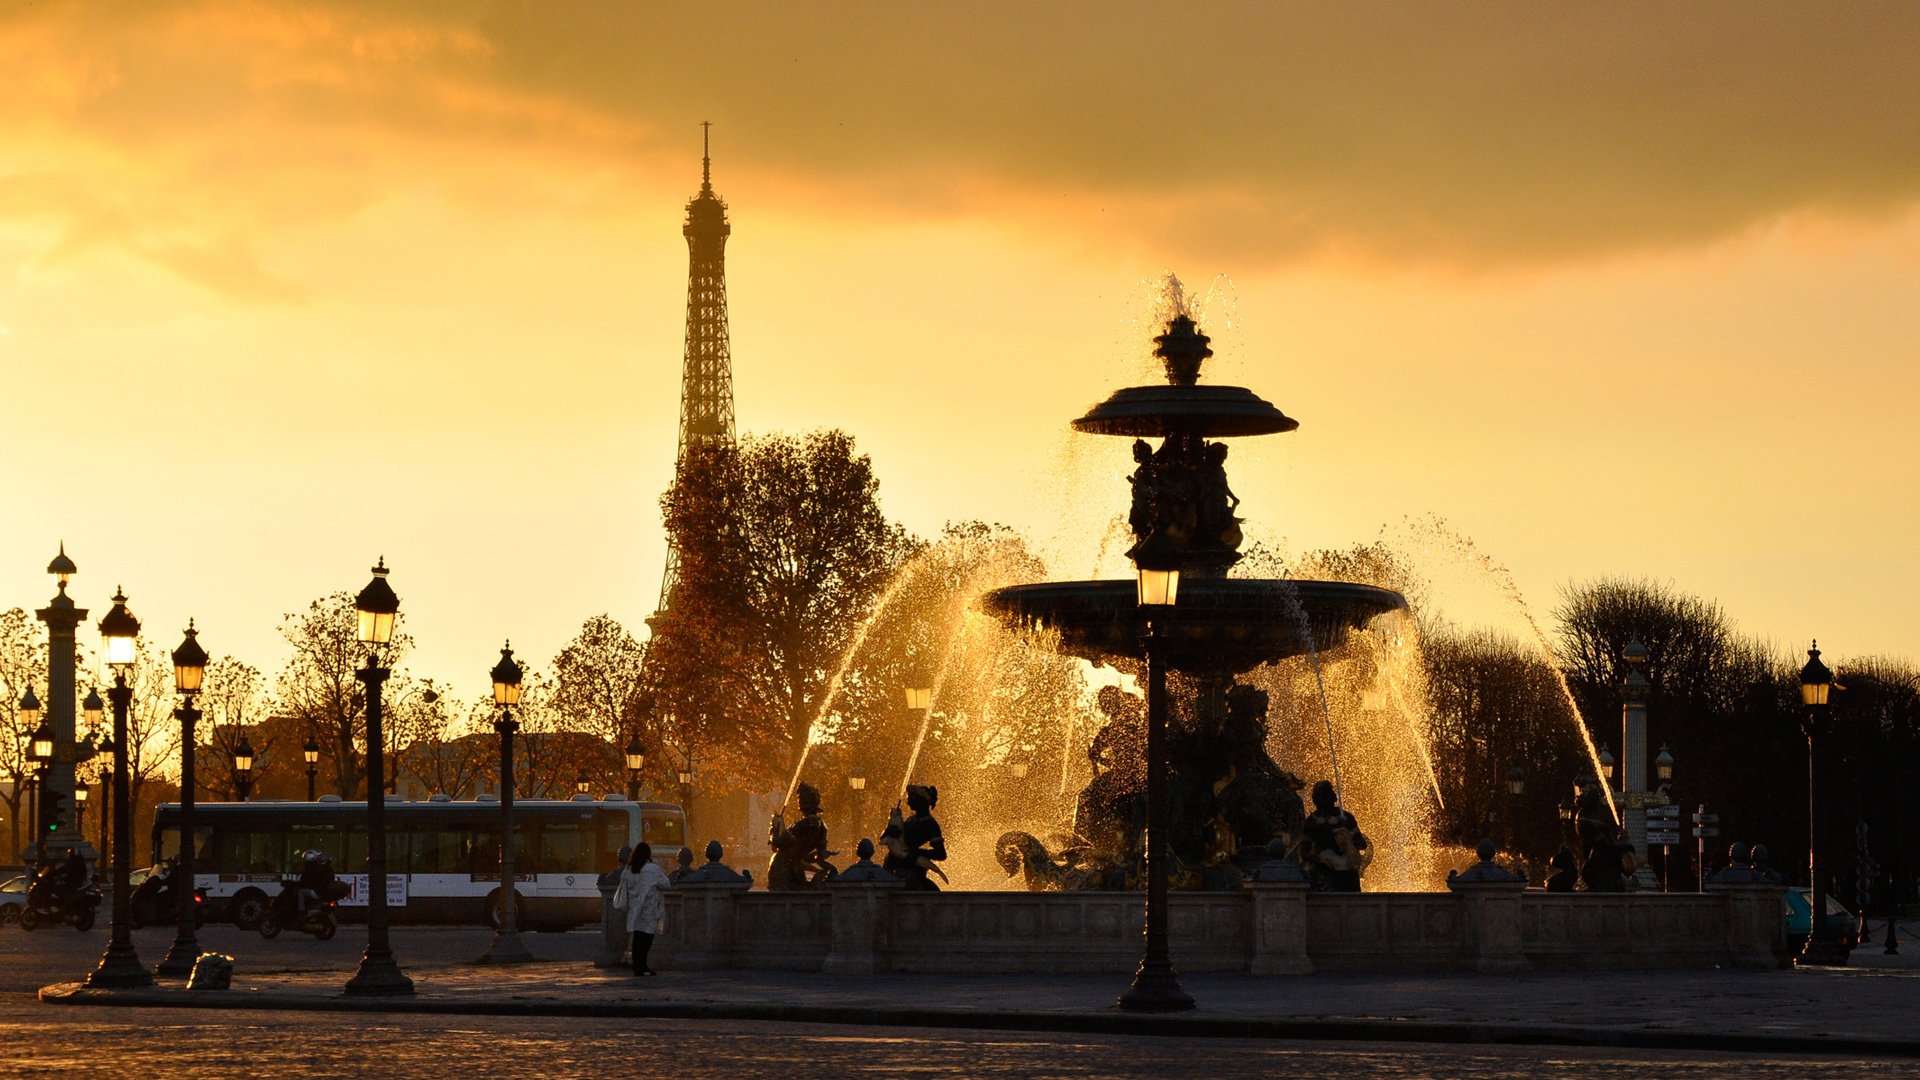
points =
(53, 805)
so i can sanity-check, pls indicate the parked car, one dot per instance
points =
(1840, 921)
(13, 898)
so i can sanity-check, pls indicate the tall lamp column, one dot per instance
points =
(47, 812)
(379, 974)
(189, 668)
(120, 966)
(1823, 947)
(311, 753)
(1155, 986)
(507, 947)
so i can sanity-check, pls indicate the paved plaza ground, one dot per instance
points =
(564, 1011)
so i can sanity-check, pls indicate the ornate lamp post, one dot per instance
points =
(80, 808)
(1816, 683)
(40, 749)
(189, 669)
(311, 754)
(29, 728)
(377, 605)
(120, 965)
(636, 757)
(243, 769)
(507, 948)
(1155, 987)
(686, 784)
(857, 783)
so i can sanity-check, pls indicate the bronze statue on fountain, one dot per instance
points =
(800, 851)
(1228, 798)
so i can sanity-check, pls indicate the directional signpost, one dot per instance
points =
(1705, 825)
(1663, 830)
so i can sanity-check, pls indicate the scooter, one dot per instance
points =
(50, 904)
(154, 902)
(285, 914)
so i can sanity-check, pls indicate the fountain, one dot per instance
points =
(1228, 799)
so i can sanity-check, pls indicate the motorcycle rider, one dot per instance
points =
(316, 874)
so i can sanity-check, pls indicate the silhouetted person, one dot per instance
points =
(1565, 871)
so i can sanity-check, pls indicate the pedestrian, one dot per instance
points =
(642, 897)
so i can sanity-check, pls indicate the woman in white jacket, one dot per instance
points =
(642, 896)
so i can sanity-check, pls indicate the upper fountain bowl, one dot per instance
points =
(1207, 411)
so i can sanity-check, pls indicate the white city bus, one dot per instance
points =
(443, 857)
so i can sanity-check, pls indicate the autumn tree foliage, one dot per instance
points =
(783, 550)
(319, 686)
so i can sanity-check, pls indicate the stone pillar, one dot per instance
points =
(613, 927)
(61, 617)
(704, 929)
(1279, 913)
(1633, 774)
(1492, 910)
(1756, 929)
(862, 925)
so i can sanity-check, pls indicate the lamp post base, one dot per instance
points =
(119, 969)
(1155, 989)
(179, 961)
(507, 948)
(379, 976)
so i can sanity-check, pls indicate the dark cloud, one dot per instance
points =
(1480, 134)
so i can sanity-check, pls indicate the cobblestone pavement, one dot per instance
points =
(1875, 999)
(121, 1042)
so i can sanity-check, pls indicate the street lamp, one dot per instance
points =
(1663, 765)
(1516, 781)
(189, 670)
(106, 771)
(377, 606)
(1606, 762)
(1816, 684)
(80, 808)
(919, 698)
(1155, 986)
(636, 757)
(94, 710)
(583, 784)
(857, 783)
(507, 948)
(311, 754)
(120, 965)
(40, 749)
(243, 769)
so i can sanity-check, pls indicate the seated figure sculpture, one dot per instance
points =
(1607, 858)
(1334, 862)
(915, 843)
(800, 852)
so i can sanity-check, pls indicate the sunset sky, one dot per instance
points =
(1611, 289)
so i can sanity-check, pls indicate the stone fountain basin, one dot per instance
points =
(1221, 626)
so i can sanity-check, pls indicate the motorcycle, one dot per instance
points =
(285, 914)
(51, 902)
(154, 902)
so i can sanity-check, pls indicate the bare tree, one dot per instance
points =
(320, 687)
(234, 709)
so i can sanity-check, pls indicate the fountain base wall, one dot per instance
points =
(1266, 929)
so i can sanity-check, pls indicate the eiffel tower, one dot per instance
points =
(706, 381)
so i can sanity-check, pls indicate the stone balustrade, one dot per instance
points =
(1265, 929)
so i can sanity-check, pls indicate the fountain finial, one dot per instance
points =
(1182, 348)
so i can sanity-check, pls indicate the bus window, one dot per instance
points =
(438, 851)
(325, 839)
(246, 851)
(170, 844)
(356, 860)
(566, 847)
(663, 831)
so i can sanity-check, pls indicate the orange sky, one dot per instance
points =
(292, 285)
